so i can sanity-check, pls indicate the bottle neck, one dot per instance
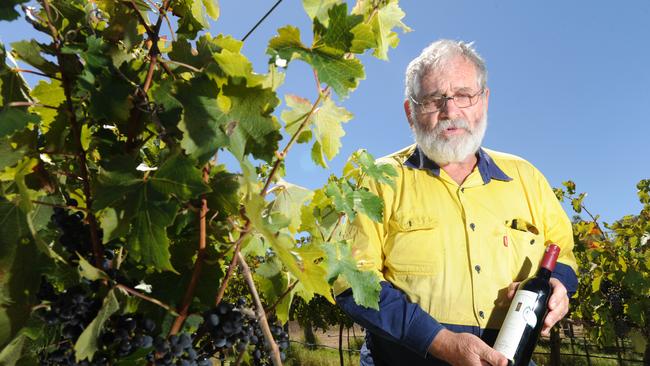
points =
(543, 273)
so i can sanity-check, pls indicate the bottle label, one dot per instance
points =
(520, 314)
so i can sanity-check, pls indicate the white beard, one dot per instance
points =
(453, 149)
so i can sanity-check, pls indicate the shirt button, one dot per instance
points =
(472, 226)
(481, 314)
(462, 190)
(477, 268)
(532, 241)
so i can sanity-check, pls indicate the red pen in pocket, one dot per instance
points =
(505, 241)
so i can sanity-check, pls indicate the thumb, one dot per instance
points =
(512, 288)
(494, 357)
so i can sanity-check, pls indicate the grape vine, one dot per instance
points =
(121, 231)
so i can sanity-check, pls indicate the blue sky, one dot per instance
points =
(569, 80)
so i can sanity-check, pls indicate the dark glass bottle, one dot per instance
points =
(523, 324)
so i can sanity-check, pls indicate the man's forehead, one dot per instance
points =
(456, 75)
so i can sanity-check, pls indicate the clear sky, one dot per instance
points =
(569, 80)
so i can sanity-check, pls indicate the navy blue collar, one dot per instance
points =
(486, 166)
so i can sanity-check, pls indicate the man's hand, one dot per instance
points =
(464, 349)
(558, 304)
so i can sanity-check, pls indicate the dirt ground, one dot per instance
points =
(329, 338)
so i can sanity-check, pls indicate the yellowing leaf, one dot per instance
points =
(50, 95)
(289, 201)
(212, 8)
(328, 129)
(386, 18)
(341, 264)
(318, 9)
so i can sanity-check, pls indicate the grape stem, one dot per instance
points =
(98, 251)
(154, 35)
(146, 298)
(198, 264)
(284, 294)
(261, 315)
(233, 263)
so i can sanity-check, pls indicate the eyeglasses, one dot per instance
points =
(435, 103)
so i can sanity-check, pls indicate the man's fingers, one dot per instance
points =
(493, 357)
(512, 288)
(558, 294)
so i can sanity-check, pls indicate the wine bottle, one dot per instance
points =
(523, 323)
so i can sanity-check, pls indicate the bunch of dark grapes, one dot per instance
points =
(75, 235)
(70, 311)
(615, 297)
(176, 350)
(125, 334)
(226, 327)
(260, 352)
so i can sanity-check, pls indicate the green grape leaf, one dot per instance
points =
(341, 73)
(8, 155)
(115, 182)
(13, 228)
(178, 176)
(313, 279)
(289, 200)
(22, 264)
(274, 79)
(349, 201)
(318, 9)
(327, 127)
(191, 16)
(206, 126)
(14, 119)
(88, 271)
(13, 87)
(30, 53)
(338, 35)
(212, 9)
(317, 155)
(8, 11)
(202, 120)
(299, 261)
(273, 282)
(235, 64)
(150, 214)
(87, 345)
(293, 117)
(387, 17)
(13, 351)
(111, 101)
(382, 173)
(252, 110)
(49, 94)
(365, 284)
(363, 39)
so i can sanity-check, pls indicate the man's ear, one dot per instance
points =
(407, 110)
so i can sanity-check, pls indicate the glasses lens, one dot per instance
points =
(463, 101)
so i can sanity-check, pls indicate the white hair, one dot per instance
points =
(434, 57)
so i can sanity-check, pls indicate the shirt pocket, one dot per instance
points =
(526, 248)
(414, 246)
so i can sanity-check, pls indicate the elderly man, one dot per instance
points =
(462, 226)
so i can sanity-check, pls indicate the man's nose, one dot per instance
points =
(449, 110)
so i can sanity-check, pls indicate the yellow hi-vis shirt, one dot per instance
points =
(455, 249)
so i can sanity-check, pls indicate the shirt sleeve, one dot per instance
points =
(397, 319)
(567, 276)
